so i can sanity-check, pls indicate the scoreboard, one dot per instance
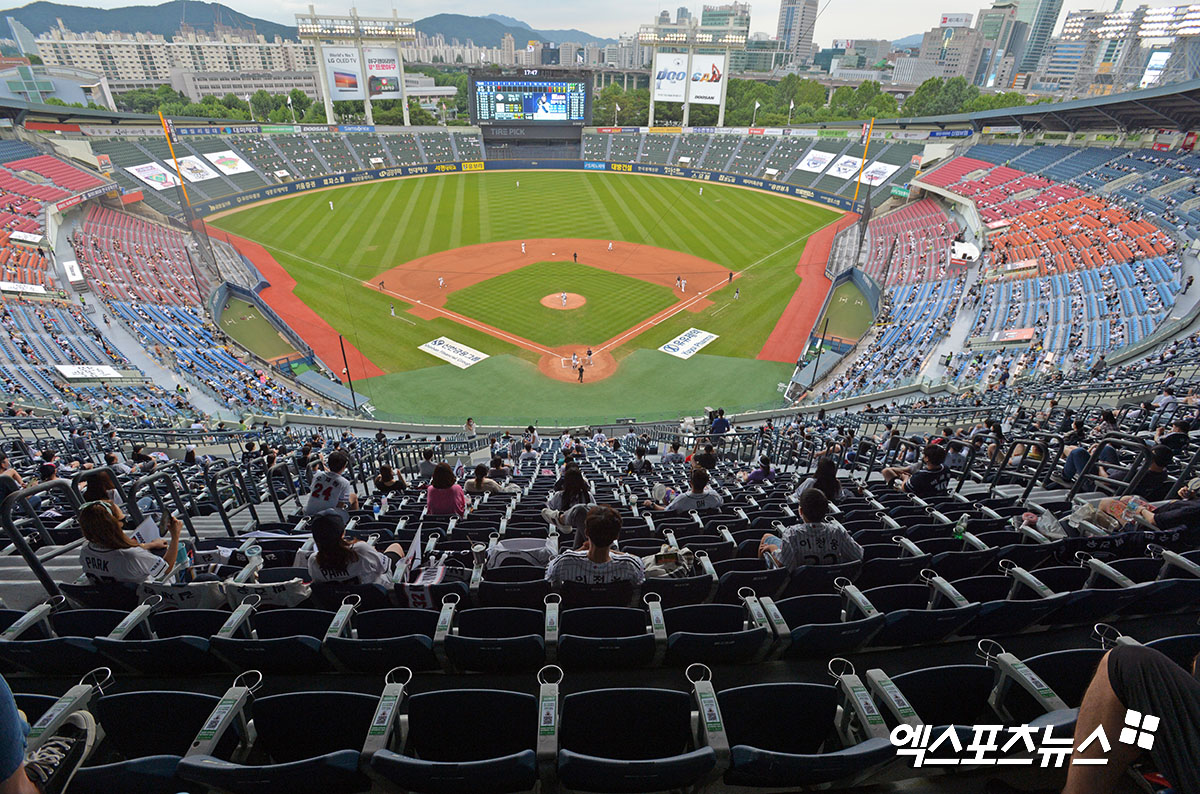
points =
(530, 97)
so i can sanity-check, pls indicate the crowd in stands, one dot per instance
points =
(910, 244)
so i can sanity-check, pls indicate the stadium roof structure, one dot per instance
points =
(1174, 106)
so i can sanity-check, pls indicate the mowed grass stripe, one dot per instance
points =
(512, 302)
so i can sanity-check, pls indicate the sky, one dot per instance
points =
(841, 19)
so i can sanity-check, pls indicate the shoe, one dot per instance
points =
(551, 516)
(52, 765)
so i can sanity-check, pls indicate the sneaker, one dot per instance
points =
(551, 516)
(52, 765)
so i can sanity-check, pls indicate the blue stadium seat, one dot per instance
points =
(287, 641)
(713, 634)
(181, 642)
(817, 628)
(908, 619)
(733, 575)
(629, 740)
(770, 747)
(495, 639)
(385, 638)
(998, 614)
(1181, 649)
(605, 638)
(72, 649)
(311, 740)
(479, 740)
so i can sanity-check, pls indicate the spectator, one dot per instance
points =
(699, 498)
(330, 489)
(1136, 678)
(720, 424)
(482, 483)
(932, 478)
(112, 556)
(568, 506)
(814, 542)
(345, 560)
(763, 473)
(825, 479)
(639, 464)
(426, 466)
(1182, 513)
(48, 769)
(1177, 439)
(595, 562)
(528, 455)
(674, 456)
(1155, 481)
(444, 496)
(707, 458)
(388, 482)
(469, 428)
(498, 471)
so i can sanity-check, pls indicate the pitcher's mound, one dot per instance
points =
(555, 301)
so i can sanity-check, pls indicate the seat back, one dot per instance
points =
(396, 622)
(457, 725)
(303, 725)
(763, 716)
(612, 594)
(291, 622)
(141, 724)
(626, 724)
(949, 694)
(188, 622)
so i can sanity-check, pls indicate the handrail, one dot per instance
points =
(18, 539)
(237, 486)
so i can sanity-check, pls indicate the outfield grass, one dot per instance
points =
(848, 312)
(245, 323)
(379, 225)
(512, 302)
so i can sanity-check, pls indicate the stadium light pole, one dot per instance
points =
(693, 39)
(349, 379)
(333, 30)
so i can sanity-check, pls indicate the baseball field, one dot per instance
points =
(484, 262)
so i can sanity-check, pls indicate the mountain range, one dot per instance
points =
(165, 20)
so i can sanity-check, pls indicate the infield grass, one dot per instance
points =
(512, 302)
(376, 226)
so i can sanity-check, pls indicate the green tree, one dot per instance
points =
(419, 116)
(262, 103)
(300, 102)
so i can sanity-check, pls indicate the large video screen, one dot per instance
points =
(555, 98)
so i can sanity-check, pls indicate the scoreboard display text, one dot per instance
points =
(529, 100)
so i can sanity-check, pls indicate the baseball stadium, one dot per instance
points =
(521, 453)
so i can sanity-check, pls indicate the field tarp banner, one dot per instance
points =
(86, 371)
(356, 177)
(670, 76)
(153, 175)
(457, 354)
(704, 83)
(688, 344)
(229, 163)
(195, 170)
(815, 161)
(343, 73)
(846, 168)
(383, 72)
(878, 173)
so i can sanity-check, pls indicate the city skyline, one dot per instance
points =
(866, 19)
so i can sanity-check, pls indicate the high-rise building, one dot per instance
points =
(797, 20)
(664, 17)
(955, 51)
(1004, 39)
(682, 14)
(1045, 19)
(735, 14)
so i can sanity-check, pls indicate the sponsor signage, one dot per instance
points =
(950, 133)
(280, 129)
(354, 177)
(153, 175)
(878, 173)
(383, 72)
(688, 344)
(356, 128)
(846, 168)
(900, 190)
(23, 289)
(86, 371)
(212, 129)
(708, 73)
(26, 238)
(344, 77)
(910, 135)
(1002, 129)
(804, 133)
(74, 274)
(450, 351)
(815, 161)
(956, 21)
(228, 163)
(1013, 335)
(120, 132)
(670, 77)
(671, 130)
(92, 192)
(195, 170)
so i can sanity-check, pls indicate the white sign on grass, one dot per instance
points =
(153, 175)
(457, 354)
(688, 344)
(88, 371)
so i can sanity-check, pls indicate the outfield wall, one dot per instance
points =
(236, 200)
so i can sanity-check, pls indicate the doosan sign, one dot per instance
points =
(670, 77)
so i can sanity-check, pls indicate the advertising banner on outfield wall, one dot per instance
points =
(383, 72)
(343, 73)
(457, 354)
(229, 163)
(815, 161)
(195, 170)
(688, 344)
(704, 83)
(670, 76)
(846, 168)
(153, 175)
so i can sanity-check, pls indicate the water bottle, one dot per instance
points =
(376, 509)
(960, 527)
